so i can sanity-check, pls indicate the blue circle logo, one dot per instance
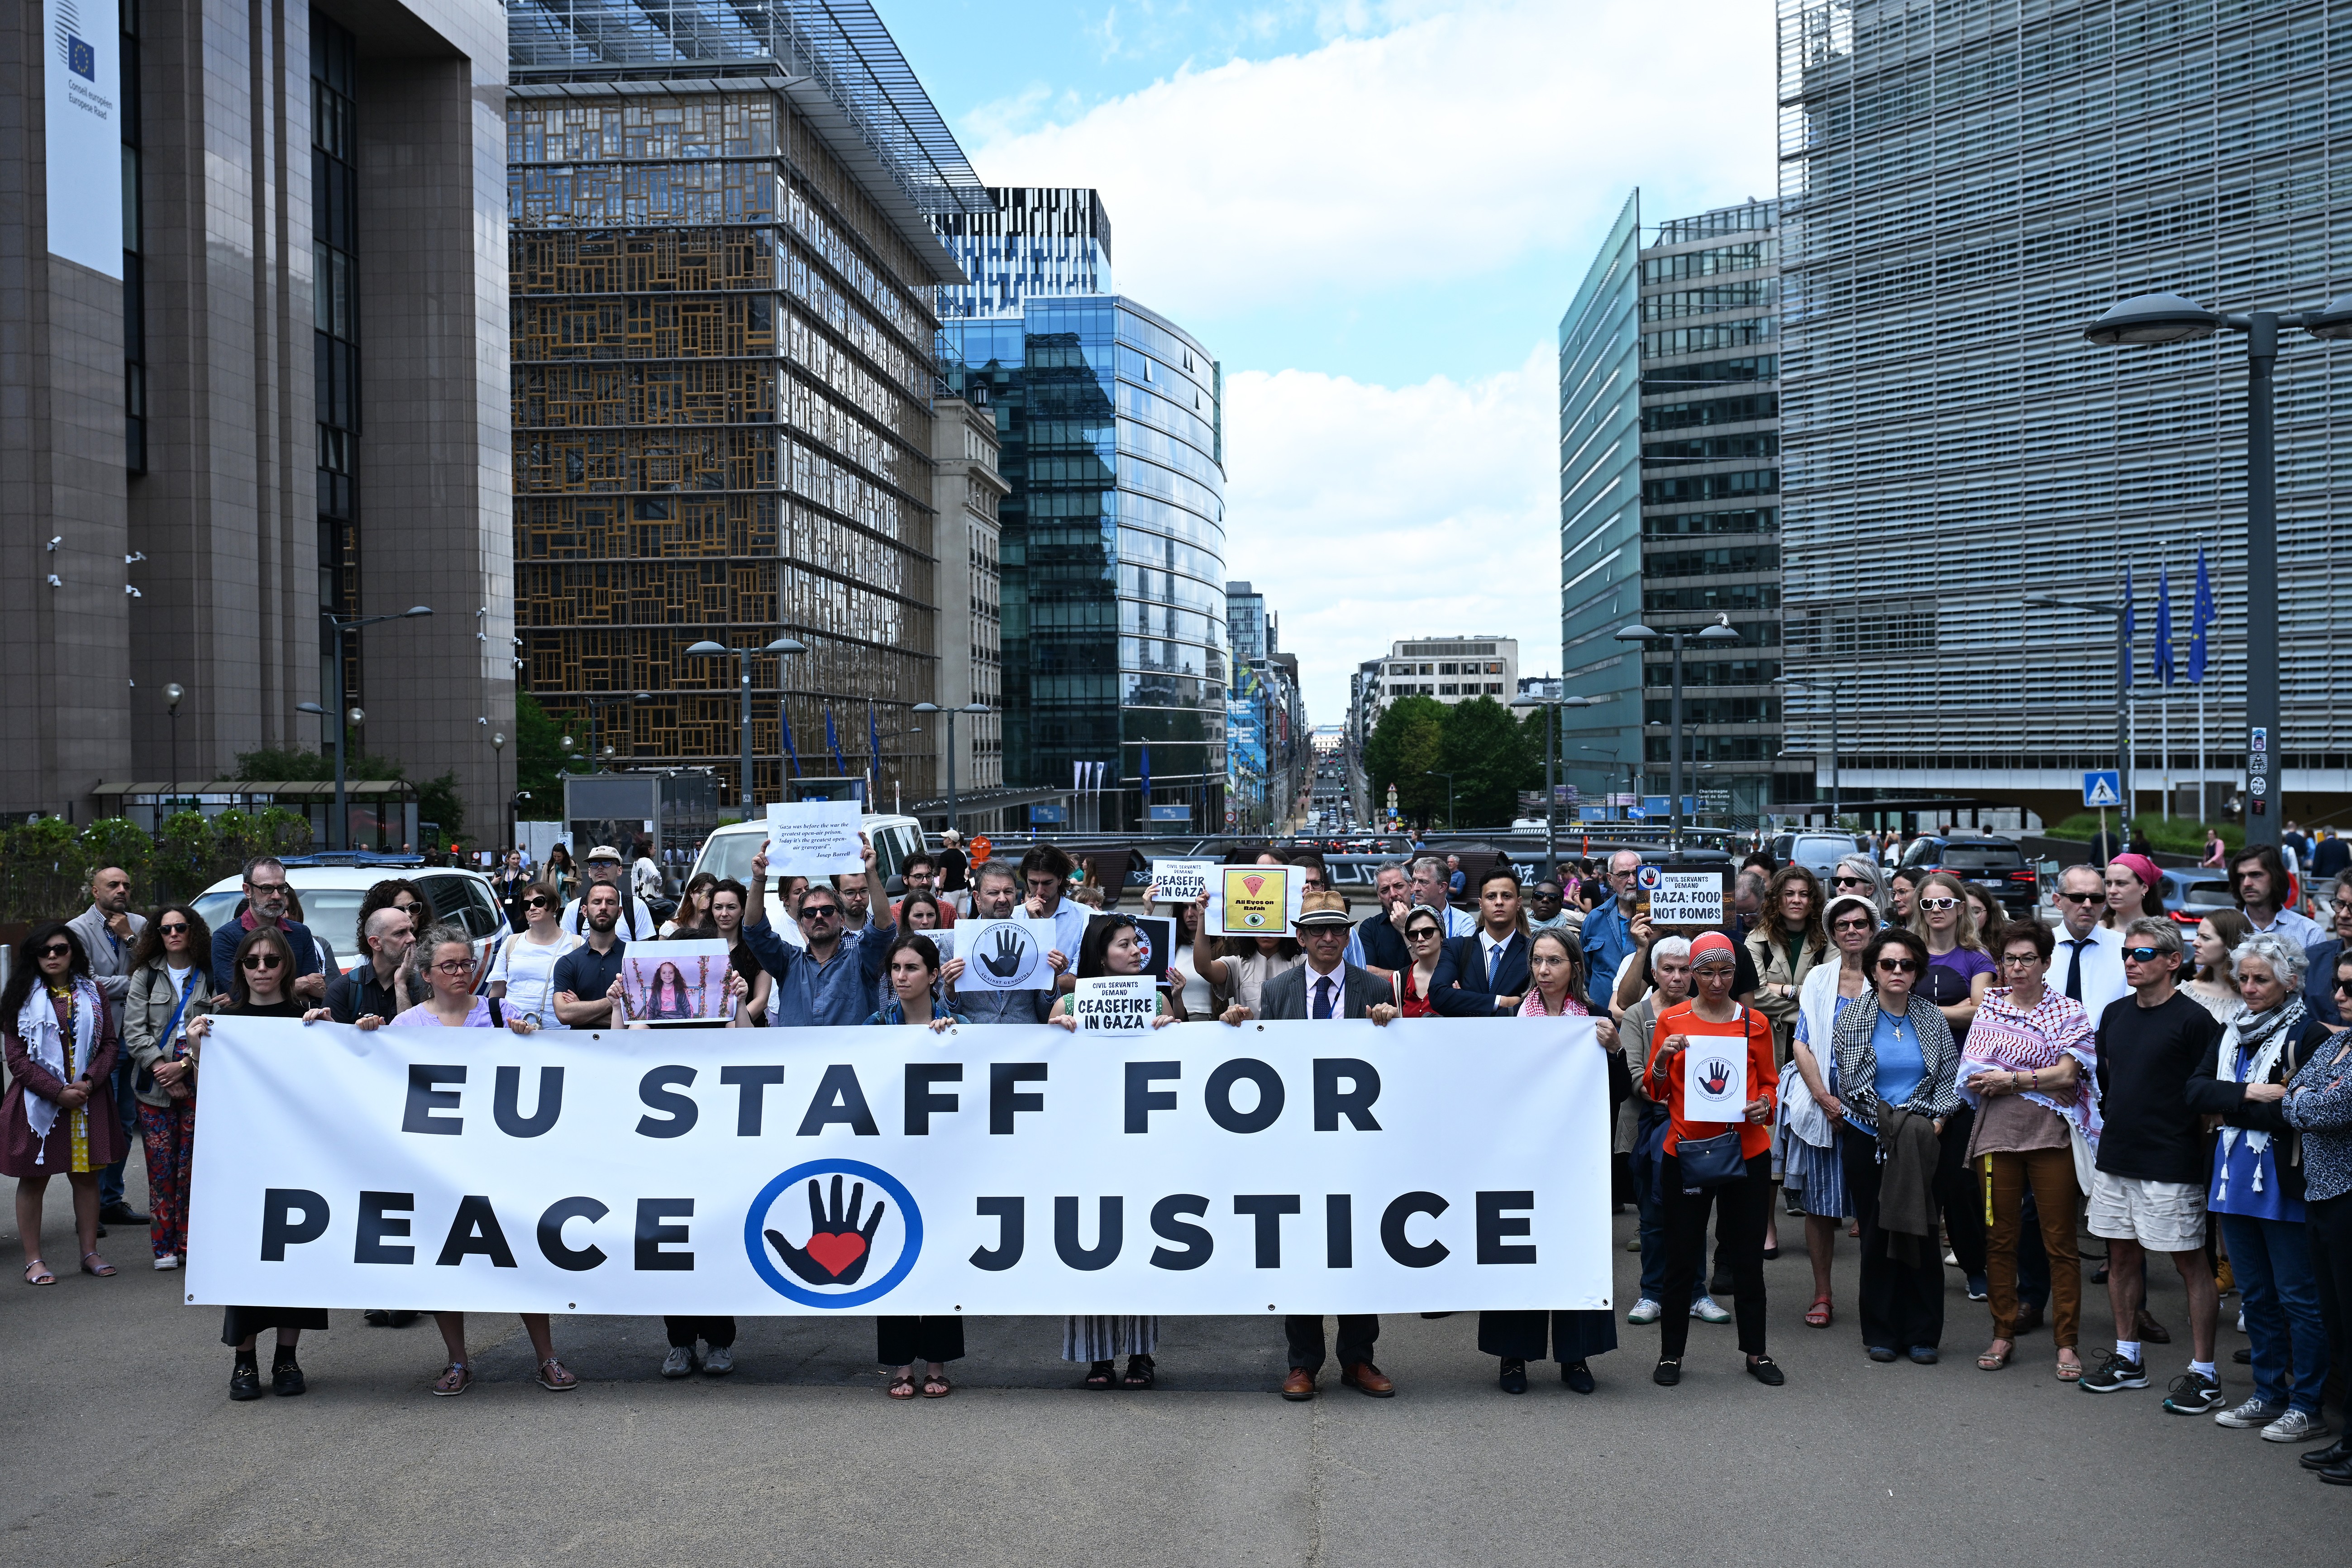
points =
(843, 1239)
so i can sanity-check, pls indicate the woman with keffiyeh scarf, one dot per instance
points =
(2257, 1187)
(59, 1115)
(2031, 1056)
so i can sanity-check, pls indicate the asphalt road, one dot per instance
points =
(125, 1449)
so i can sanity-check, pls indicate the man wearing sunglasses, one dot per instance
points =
(2148, 1193)
(2089, 964)
(264, 897)
(835, 978)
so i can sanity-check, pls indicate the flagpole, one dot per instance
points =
(2164, 747)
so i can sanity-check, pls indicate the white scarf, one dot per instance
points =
(37, 1026)
(2275, 1030)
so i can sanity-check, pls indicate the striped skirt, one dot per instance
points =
(1105, 1339)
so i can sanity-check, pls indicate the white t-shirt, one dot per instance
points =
(528, 968)
(1197, 1002)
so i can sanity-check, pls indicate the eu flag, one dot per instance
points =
(2201, 619)
(2161, 662)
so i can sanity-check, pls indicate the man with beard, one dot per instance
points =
(585, 976)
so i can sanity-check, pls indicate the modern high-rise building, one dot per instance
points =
(724, 279)
(1669, 516)
(255, 340)
(1112, 541)
(1445, 669)
(1039, 242)
(1963, 190)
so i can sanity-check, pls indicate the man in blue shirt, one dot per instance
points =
(834, 979)
(1607, 935)
(264, 897)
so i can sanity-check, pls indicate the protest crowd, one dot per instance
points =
(1940, 1085)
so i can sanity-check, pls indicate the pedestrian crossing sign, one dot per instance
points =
(2103, 788)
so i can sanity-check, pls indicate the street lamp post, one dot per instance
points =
(497, 785)
(1551, 707)
(338, 831)
(707, 650)
(2122, 615)
(173, 694)
(951, 712)
(1433, 773)
(2155, 319)
(1836, 688)
(1720, 632)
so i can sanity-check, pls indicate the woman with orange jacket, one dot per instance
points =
(1711, 1053)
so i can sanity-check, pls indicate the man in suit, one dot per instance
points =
(1484, 974)
(107, 930)
(1328, 986)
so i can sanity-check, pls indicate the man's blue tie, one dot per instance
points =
(1323, 996)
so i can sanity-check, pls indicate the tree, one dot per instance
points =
(1481, 746)
(1403, 748)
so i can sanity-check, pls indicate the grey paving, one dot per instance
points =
(127, 1451)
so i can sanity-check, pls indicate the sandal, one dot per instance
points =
(38, 1273)
(1993, 1360)
(555, 1377)
(104, 1268)
(1099, 1375)
(937, 1386)
(902, 1385)
(1141, 1373)
(455, 1379)
(1817, 1316)
(2070, 1372)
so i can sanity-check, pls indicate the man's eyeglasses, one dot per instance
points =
(1897, 966)
(262, 960)
(266, 889)
(2098, 897)
(2143, 954)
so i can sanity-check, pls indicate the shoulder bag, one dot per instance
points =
(1715, 1162)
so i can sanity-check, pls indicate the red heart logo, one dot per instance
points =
(1253, 884)
(837, 1251)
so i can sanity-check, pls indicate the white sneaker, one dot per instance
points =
(1645, 1311)
(166, 1263)
(678, 1362)
(718, 1361)
(2295, 1426)
(1706, 1312)
(2252, 1413)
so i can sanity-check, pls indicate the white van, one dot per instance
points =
(727, 855)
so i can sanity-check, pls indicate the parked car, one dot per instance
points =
(1816, 852)
(2190, 894)
(1982, 860)
(727, 854)
(331, 896)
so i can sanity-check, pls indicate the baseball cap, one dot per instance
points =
(604, 852)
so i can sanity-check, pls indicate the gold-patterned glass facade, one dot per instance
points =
(723, 380)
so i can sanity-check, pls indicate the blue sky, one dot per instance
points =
(1373, 213)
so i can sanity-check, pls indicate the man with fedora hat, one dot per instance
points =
(602, 863)
(1328, 986)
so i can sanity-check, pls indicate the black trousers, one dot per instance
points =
(903, 1342)
(1958, 1194)
(717, 1332)
(1575, 1336)
(1358, 1332)
(1741, 1209)
(1902, 1304)
(2329, 1225)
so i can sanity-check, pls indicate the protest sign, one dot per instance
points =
(1330, 1166)
(813, 838)
(1006, 955)
(1115, 1004)
(1254, 900)
(674, 982)
(1182, 881)
(1686, 898)
(1715, 1078)
(1154, 934)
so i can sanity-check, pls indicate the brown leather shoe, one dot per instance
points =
(2148, 1328)
(1366, 1378)
(1299, 1384)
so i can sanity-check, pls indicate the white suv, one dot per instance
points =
(332, 895)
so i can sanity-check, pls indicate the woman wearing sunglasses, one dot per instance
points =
(1861, 875)
(2026, 1069)
(523, 978)
(169, 990)
(1958, 973)
(1424, 939)
(1895, 1066)
(261, 977)
(59, 1115)
(1812, 1114)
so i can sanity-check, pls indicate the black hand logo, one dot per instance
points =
(837, 1250)
(1010, 954)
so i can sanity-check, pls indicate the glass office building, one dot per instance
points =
(1040, 242)
(1963, 190)
(1669, 485)
(1112, 550)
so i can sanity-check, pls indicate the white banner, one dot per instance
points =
(82, 54)
(1282, 1167)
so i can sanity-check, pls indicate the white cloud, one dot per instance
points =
(1458, 141)
(1366, 513)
